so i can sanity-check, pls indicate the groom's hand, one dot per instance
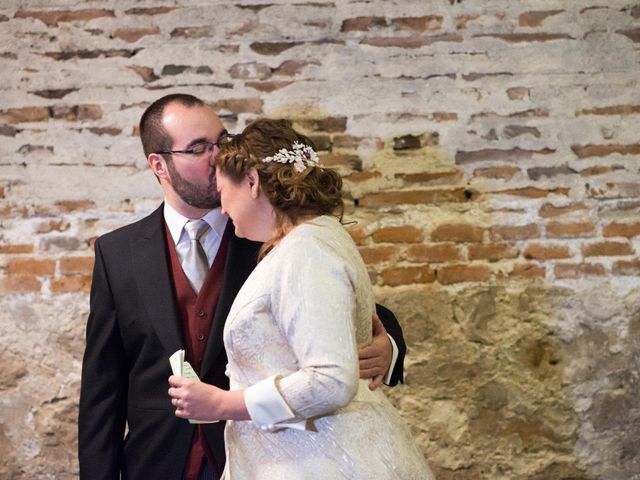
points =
(375, 358)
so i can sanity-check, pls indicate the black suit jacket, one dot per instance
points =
(133, 328)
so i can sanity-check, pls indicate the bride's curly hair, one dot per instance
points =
(293, 194)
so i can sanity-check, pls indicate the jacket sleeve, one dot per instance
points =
(313, 305)
(395, 331)
(103, 391)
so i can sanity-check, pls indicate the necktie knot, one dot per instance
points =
(196, 229)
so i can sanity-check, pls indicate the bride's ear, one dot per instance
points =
(254, 182)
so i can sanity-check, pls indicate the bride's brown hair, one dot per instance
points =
(294, 195)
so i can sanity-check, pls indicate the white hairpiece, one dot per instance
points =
(302, 156)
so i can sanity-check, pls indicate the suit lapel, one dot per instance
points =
(153, 277)
(241, 260)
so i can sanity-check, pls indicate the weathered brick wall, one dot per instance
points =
(490, 150)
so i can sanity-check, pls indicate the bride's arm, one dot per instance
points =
(313, 302)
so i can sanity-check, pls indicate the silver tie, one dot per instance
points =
(195, 264)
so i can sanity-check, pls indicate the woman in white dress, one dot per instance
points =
(296, 408)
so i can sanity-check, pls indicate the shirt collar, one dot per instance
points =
(176, 222)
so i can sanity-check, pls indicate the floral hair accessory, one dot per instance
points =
(302, 156)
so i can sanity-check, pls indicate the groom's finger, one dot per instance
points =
(376, 382)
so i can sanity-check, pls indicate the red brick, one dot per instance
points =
(240, 105)
(623, 110)
(587, 151)
(272, 48)
(570, 230)
(54, 93)
(578, 270)
(458, 233)
(528, 37)
(146, 73)
(504, 173)
(517, 93)
(192, 32)
(443, 252)
(325, 125)
(428, 23)
(250, 71)
(16, 248)
(407, 275)
(536, 173)
(96, 53)
(403, 234)
(292, 68)
(53, 226)
(549, 210)
(150, 10)
(362, 176)
(515, 232)
(76, 112)
(493, 154)
(89, 112)
(607, 249)
(112, 131)
(413, 41)
(449, 274)
(535, 19)
(133, 34)
(30, 266)
(73, 265)
(432, 178)
(532, 192)
(24, 115)
(348, 160)
(73, 283)
(493, 251)
(52, 18)
(621, 229)
(359, 235)
(588, 172)
(418, 197)
(444, 116)
(626, 267)
(512, 131)
(373, 255)
(362, 24)
(68, 206)
(269, 86)
(632, 34)
(539, 251)
(528, 270)
(19, 284)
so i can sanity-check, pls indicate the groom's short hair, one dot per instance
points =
(153, 135)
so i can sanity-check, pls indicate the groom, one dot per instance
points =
(143, 308)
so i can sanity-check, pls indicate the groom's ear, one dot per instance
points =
(253, 179)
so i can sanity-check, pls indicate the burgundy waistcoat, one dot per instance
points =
(196, 315)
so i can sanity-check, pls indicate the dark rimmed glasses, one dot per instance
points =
(201, 148)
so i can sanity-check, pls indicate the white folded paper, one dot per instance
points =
(181, 368)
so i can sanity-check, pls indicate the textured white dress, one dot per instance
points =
(291, 338)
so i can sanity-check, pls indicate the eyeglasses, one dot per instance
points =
(199, 149)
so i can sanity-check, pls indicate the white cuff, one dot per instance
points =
(267, 409)
(394, 359)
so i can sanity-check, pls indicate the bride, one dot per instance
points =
(296, 408)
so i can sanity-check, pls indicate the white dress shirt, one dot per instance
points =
(211, 241)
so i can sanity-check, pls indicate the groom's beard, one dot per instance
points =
(199, 196)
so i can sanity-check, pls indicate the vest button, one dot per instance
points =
(200, 313)
(201, 337)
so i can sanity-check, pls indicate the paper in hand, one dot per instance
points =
(181, 368)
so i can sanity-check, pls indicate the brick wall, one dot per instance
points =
(490, 151)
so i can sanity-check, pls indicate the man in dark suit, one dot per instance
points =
(144, 307)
